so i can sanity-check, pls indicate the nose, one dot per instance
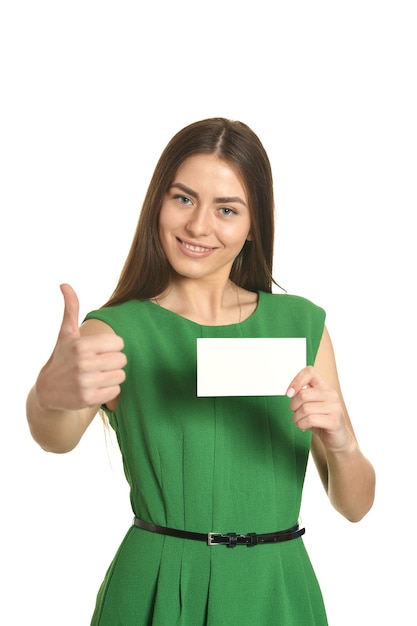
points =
(199, 222)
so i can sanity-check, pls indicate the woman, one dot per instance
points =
(209, 476)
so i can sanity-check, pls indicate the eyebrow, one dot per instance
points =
(222, 200)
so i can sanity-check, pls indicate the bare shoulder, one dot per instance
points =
(248, 297)
(95, 327)
(325, 361)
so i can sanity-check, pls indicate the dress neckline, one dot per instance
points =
(186, 319)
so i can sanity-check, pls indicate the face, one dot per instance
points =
(205, 219)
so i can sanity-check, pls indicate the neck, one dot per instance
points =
(203, 303)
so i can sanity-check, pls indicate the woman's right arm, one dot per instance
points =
(84, 371)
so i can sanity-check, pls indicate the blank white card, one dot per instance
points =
(248, 366)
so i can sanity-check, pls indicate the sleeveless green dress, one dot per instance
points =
(224, 464)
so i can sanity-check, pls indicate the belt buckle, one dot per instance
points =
(229, 540)
(210, 541)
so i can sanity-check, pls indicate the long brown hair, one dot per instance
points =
(146, 272)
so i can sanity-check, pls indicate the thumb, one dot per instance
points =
(69, 326)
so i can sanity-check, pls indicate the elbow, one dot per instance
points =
(356, 511)
(360, 514)
(49, 443)
(356, 517)
(355, 498)
(57, 449)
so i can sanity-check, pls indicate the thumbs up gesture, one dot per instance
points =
(86, 366)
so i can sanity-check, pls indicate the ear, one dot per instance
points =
(249, 237)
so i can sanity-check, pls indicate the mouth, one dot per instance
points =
(194, 247)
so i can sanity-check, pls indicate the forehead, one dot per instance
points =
(209, 169)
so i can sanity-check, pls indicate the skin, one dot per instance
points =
(201, 234)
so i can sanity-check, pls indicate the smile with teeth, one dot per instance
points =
(189, 246)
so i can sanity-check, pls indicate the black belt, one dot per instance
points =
(227, 539)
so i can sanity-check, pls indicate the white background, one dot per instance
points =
(90, 94)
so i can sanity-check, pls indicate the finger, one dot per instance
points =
(306, 397)
(308, 377)
(112, 361)
(94, 356)
(103, 379)
(69, 326)
(101, 396)
(320, 419)
(101, 344)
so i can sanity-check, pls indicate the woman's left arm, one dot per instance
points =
(317, 403)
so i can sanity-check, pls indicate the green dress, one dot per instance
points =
(224, 464)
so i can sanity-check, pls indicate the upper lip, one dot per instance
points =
(195, 244)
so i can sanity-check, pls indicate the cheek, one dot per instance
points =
(168, 220)
(164, 224)
(246, 234)
(166, 229)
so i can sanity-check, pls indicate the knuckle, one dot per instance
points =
(122, 360)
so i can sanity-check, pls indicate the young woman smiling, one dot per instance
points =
(209, 476)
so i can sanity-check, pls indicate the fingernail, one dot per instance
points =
(290, 392)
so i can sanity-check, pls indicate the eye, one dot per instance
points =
(226, 211)
(182, 199)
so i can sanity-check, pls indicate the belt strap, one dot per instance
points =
(226, 539)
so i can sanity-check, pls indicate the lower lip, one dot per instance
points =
(194, 253)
